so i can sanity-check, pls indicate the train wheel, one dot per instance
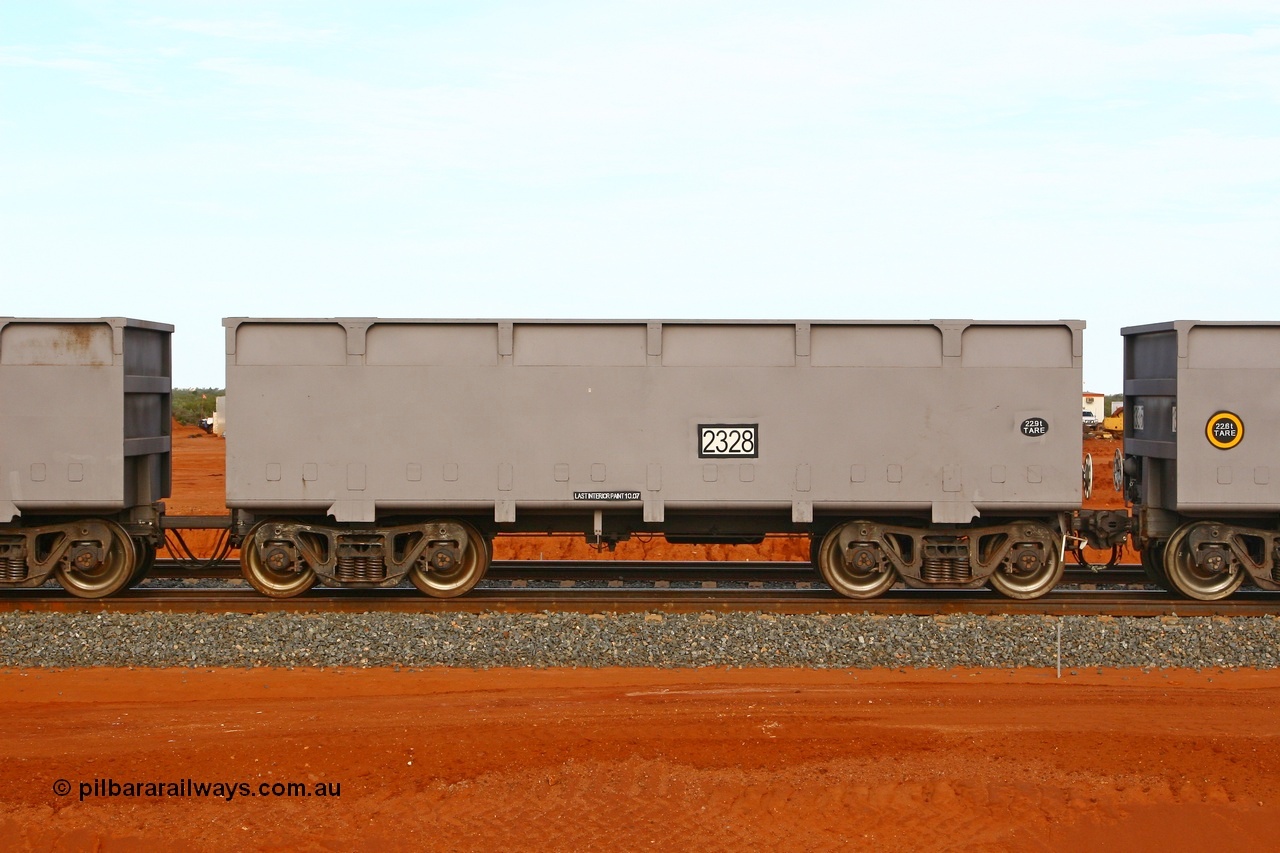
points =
(276, 574)
(1153, 563)
(1033, 571)
(146, 560)
(864, 574)
(86, 575)
(463, 575)
(1191, 580)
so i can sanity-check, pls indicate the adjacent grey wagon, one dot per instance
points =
(1202, 432)
(84, 450)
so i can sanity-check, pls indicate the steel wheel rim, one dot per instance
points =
(463, 578)
(146, 560)
(265, 579)
(847, 581)
(1187, 579)
(1034, 585)
(111, 576)
(1153, 563)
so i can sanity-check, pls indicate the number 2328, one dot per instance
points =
(727, 440)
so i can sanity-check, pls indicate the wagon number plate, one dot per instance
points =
(728, 441)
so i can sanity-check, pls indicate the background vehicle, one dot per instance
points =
(1113, 424)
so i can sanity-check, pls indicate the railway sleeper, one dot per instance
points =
(862, 559)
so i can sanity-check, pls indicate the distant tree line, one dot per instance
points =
(189, 405)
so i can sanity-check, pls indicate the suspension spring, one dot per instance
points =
(361, 568)
(935, 569)
(13, 569)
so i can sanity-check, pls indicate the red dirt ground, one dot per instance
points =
(642, 759)
(638, 758)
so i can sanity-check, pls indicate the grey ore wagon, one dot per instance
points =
(84, 450)
(935, 452)
(1202, 426)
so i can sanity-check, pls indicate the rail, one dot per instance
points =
(633, 600)
(709, 571)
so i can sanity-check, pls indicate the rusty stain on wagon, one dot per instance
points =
(85, 344)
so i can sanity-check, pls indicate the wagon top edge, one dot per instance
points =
(232, 322)
(115, 322)
(1187, 325)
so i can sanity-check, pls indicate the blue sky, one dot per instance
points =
(185, 161)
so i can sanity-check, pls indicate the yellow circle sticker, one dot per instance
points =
(1224, 430)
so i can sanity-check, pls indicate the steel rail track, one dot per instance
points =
(642, 570)
(625, 600)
